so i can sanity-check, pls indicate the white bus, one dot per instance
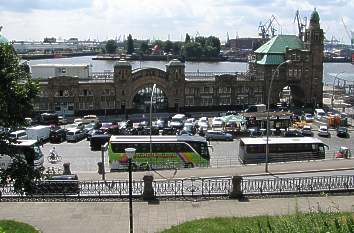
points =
(253, 150)
(28, 149)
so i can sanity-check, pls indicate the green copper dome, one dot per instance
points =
(3, 39)
(315, 17)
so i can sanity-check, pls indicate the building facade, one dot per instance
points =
(126, 90)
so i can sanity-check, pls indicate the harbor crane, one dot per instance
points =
(268, 30)
(350, 34)
(300, 25)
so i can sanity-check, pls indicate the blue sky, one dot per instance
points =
(163, 19)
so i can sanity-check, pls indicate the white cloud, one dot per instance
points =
(104, 19)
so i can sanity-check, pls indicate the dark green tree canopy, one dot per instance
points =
(111, 46)
(130, 44)
(144, 48)
(17, 90)
(188, 38)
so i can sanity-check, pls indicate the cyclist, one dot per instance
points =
(53, 154)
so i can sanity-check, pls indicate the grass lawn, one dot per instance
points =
(298, 223)
(9, 226)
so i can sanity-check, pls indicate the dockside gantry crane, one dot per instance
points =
(268, 29)
(300, 25)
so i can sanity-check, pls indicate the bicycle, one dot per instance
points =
(54, 158)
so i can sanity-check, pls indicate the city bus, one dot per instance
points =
(167, 152)
(253, 150)
(27, 149)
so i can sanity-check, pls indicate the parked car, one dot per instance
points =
(323, 131)
(203, 125)
(293, 133)
(74, 135)
(217, 122)
(62, 120)
(218, 135)
(342, 132)
(57, 135)
(19, 134)
(308, 117)
(90, 119)
(98, 140)
(93, 132)
(307, 131)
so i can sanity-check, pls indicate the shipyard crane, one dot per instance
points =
(268, 30)
(300, 25)
(350, 34)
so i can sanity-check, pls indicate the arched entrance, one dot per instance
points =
(141, 100)
(292, 96)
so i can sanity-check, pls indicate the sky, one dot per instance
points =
(32, 20)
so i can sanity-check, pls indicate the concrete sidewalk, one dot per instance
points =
(274, 168)
(109, 217)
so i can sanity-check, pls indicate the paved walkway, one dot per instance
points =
(109, 217)
(275, 168)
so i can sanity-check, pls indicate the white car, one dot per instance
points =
(309, 117)
(203, 124)
(217, 122)
(323, 131)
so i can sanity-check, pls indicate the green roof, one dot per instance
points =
(3, 39)
(271, 59)
(278, 44)
(315, 17)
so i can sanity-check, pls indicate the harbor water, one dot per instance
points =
(330, 70)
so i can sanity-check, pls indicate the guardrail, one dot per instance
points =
(193, 187)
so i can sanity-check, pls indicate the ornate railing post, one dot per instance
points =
(148, 194)
(236, 192)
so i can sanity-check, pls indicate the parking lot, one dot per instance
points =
(223, 154)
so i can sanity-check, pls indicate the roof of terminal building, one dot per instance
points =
(278, 44)
(271, 59)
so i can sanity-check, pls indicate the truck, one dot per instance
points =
(257, 108)
(39, 132)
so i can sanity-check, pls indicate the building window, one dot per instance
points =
(206, 101)
(225, 100)
(190, 101)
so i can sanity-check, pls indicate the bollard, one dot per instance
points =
(66, 169)
(100, 168)
(236, 192)
(148, 194)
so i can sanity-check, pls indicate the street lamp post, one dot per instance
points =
(275, 73)
(130, 152)
(152, 95)
(334, 83)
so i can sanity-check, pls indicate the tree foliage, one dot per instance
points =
(130, 44)
(202, 47)
(188, 38)
(111, 46)
(17, 90)
(144, 48)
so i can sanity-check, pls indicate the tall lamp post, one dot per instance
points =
(152, 95)
(334, 83)
(275, 73)
(130, 152)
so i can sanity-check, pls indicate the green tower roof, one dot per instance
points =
(315, 17)
(3, 39)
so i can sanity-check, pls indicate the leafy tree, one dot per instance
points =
(214, 42)
(176, 48)
(17, 90)
(144, 48)
(188, 38)
(167, 46)
(111, 46)
(130, 45)
(201, 40)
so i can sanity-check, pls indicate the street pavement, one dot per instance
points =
(113, 217)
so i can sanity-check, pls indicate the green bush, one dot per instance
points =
(297, 223)
(10, 226)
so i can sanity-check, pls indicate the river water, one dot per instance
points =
(343, 70)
